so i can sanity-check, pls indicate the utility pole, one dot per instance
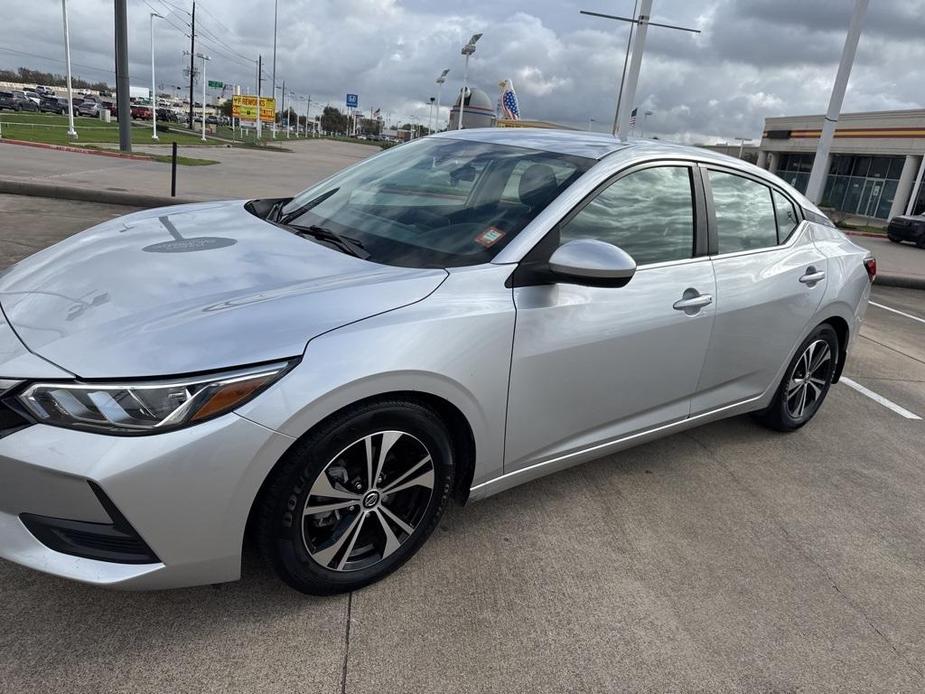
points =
(122, 80)
(259, 80)
(821, 160)
(204, 59)
(192, 64)
(627, 95)
(273, 76)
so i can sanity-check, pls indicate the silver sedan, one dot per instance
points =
(445, 320)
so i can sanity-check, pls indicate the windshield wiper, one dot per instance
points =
(299, 211)
(344, 243)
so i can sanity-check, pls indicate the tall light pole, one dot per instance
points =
(627, 95)
(123, 92)
(259, 79)
(467, 50)
(70, 91)
(440, 80)
(821, 160)
(153, 83)
(273, 76)
(433, 119)
(204, 59)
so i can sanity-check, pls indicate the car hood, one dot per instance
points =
(192, 288)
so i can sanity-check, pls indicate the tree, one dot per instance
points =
(333, 121)
(226, 108)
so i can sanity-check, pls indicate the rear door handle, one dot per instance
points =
(694, 302)
(811, 277)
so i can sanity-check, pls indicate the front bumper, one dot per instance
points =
(187, 494)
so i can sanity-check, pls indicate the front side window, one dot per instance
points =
(744, 213)
(436, 202)
(649, 214)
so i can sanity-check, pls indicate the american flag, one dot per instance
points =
(510, 109)
(633, 117)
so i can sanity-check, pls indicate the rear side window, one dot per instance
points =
(744, 213)
(649, 214)
(787, 219)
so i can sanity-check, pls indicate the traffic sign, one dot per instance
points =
(352, 100)
(216, 85)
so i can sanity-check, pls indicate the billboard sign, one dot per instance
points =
(244, 107)
(353, 101)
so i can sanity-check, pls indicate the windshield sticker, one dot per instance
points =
(489, 237)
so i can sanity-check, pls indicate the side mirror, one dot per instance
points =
(593, 263)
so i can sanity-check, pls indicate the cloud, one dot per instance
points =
(754, 59)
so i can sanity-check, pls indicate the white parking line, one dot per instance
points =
(896, 310)
(901, 411)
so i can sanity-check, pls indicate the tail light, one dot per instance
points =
(870, 264)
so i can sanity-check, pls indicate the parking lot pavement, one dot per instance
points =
(903, 259)
(240, 173)
(725, 558)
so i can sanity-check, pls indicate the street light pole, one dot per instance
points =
(627, 94)
(153, 83)
(821, 160)
(204, 59)
(259, 69)
(467, 50)
(70, 91)
(440, 80)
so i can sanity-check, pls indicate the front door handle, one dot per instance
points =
(692, 304)
(811, 276)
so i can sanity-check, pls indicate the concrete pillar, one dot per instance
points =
(772, 161)
(762, 159)
(910, 208)
(904, 187)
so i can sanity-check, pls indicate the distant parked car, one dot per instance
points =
(53, 104)
(17, 101)
(90, 109)
(168, 115)
(907, 228)
(212, 120)
(141, 112)
(35, 97)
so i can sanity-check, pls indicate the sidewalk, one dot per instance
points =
(241, 173)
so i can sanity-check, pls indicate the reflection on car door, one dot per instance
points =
(592, 364)
(770, 279)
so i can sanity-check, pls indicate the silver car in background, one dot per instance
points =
(445, 320)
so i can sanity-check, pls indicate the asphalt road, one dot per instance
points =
(727, 558)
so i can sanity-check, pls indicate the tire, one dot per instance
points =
(361, 532)
(893, 239)
(819, 354)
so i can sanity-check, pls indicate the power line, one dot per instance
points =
(57, 60)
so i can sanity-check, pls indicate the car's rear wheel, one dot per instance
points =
(357, 497)
(893, 238)
(806, 382)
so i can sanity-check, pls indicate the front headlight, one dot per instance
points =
(148, 406)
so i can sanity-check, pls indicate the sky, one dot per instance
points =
(753, 59)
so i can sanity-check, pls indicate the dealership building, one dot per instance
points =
(875, 164)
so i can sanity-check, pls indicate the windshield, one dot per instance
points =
(436, 202)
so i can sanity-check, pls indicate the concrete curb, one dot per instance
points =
(111, 197)
(901, 281)
(868, 234)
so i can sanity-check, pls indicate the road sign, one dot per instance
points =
(245, 108)
(352, 101)
(216, 85)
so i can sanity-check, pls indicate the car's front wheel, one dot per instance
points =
(806, 382)
(357, 497)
